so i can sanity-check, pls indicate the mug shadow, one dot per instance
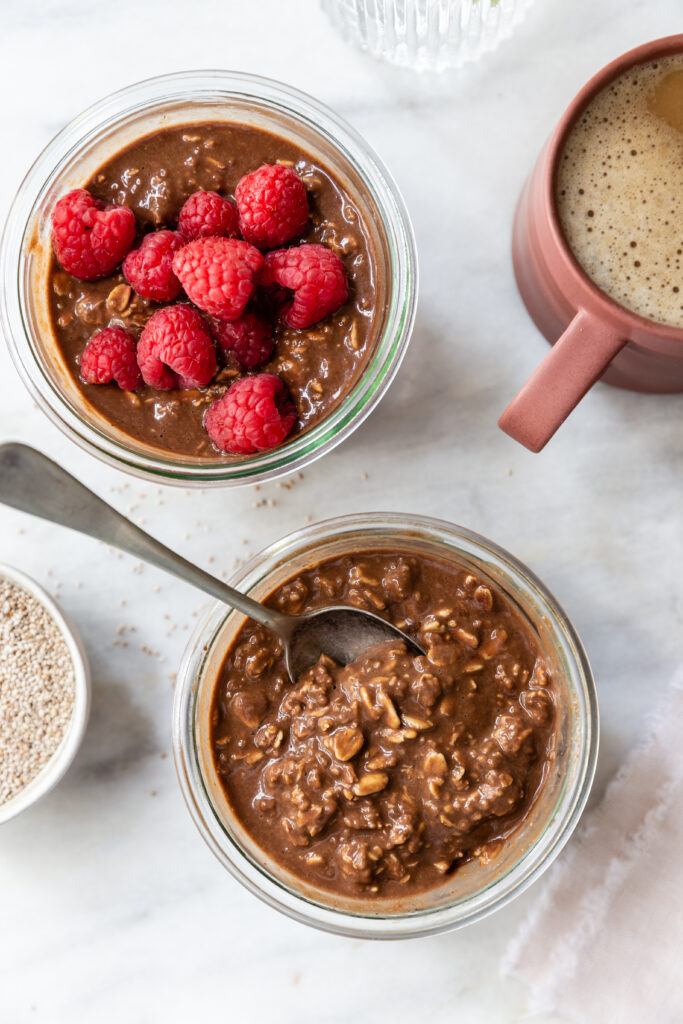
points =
(444, 390)
(658, 417)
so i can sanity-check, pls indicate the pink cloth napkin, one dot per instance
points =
(604, 944)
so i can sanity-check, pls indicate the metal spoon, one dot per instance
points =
(31, 482)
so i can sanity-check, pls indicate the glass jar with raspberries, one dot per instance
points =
(226, 294)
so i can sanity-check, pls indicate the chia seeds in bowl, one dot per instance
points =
(44, 693)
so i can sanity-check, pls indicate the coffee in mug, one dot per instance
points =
(597, 243)
(619, 189)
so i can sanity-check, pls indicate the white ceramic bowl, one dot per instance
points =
(55, 768)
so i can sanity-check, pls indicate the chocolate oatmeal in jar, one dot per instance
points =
(318, 358)
(210, 278)
(381, 778)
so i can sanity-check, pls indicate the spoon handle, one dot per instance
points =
(31, 482)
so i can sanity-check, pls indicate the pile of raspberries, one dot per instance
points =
(219, 255)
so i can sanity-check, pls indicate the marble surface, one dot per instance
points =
(112, 908)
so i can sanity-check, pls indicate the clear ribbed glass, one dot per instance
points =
(426, 35)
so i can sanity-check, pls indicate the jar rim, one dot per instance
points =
(371, 922)
(153, 94)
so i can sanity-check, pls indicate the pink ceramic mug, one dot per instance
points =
(592, 336)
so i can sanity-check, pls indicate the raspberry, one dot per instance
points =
(89, 238)
(206, 215)
(314, 274)
(149, 269)
(110, 355)
(176, 350)
(249, 339)
(218, 274)
(272, 204)
(254, 414)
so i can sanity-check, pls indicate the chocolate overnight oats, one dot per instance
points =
(379, 779)
(305, 360)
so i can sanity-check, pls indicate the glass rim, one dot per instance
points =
(187, 86)
(371, 923)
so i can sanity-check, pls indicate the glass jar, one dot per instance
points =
(116, 121)
(475, 889)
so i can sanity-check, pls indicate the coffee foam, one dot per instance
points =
(619, 190)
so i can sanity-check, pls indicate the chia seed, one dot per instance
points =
(37, 688)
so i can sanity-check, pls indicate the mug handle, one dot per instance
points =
(557, 385)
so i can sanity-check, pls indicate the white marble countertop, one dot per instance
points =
(112, 908)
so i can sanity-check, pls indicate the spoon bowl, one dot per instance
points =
(342, 633)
